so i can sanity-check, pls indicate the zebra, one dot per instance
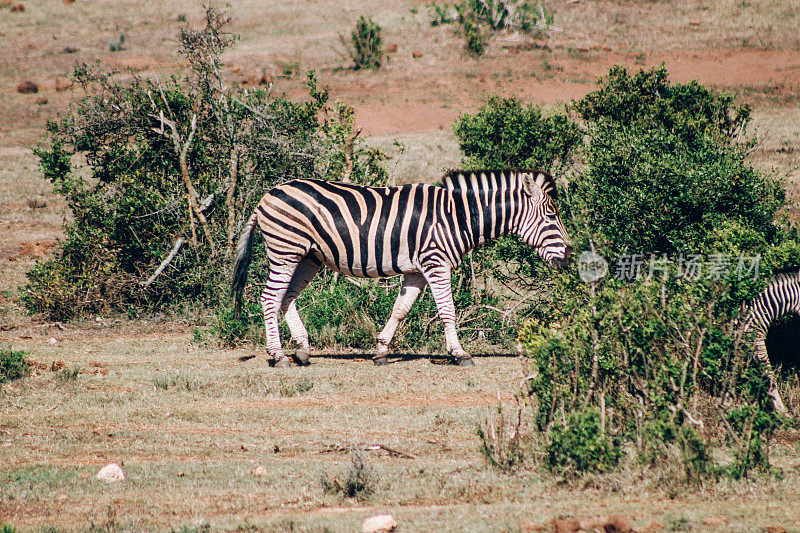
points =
(420, 231)
(781, 297)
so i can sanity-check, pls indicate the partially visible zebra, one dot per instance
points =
(421, 231)
(781, 297)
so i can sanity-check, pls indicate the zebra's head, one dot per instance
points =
(540, 225)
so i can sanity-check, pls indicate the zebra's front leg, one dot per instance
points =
(413, 285)
(271, 300)
(439, 280)
(769, 372)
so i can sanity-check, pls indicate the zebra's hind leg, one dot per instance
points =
(280, 276)
(772, 382)
(439, 280)
(412, 286)
(303, 275)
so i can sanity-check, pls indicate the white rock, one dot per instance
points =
(260, 471)
(379, 523)
(110, 473)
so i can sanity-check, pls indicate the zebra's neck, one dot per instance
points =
(781, 297)
(485, 205)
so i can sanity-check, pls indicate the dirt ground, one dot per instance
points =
(192, 424)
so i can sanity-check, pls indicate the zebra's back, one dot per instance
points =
(353, 229)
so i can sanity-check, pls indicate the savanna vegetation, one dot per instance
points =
(655, 180)
(635, 384)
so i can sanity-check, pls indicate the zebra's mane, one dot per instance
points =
(785, 274)
(544, 180)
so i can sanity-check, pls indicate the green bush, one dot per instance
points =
(479, 19)
(665, 173)
(13, 364)
(581, 445)
(505, 133)
(366, 45)
(662, 171)
(176, 166)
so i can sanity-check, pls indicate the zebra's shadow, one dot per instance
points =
(395, 358)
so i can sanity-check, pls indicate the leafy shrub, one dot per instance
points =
(662, 171)
(581, 446)
(176, 166)
(665, 174)
(480, 18)
(476, 39)
(366, 45)
(13, 364)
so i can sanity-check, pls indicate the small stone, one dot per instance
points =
(379, 523)
(27, 87)
(391, 48)
(53, 340)
(260, 471)
(41, 100)
(416, 54)
(110, 473)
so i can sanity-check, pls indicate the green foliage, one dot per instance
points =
(476, 38)
(152, 146)
(505, 133)
(581, 446)
(647, 99)
(479, 19)
(351, 313)
(366, 45)
(662, 171)
(13, 364)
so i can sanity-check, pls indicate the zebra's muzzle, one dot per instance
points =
(560, 263)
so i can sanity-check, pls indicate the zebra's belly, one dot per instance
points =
(369, 268)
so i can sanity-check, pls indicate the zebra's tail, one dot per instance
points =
(244, 253)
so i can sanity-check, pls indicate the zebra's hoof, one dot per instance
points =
(465, 361)
(380, 361)
(283, 363)
(301, 357)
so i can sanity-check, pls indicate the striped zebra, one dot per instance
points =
(781, 297)
(420, 231)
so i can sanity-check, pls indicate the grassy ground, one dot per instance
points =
(191, 425)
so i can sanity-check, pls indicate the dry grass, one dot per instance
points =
(192, 425)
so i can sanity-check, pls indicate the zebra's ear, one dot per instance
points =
(533, 189)
(546, 183)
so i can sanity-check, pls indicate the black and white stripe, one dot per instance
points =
(421, 231)
(781, 297)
